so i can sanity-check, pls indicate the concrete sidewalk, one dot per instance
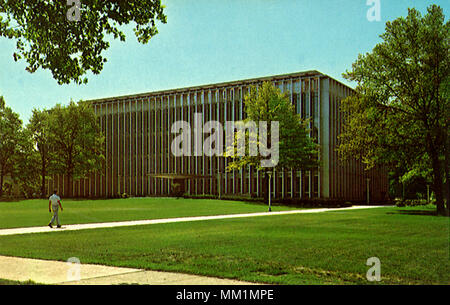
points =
(65, 273)
(45, 229)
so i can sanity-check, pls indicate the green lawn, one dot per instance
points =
(9, 282)
(324, 248)
(30, 213)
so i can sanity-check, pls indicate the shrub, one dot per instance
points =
(176, 190)
(410, 202)
(315, 202)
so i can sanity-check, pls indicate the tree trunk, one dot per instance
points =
(1, 183)
(438, 184)
(69, 188)
(70, 170)
(265, 188)
(446, 172)
(43, 174)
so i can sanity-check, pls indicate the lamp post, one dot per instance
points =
(270, 192)
(118, 185)
(219, 180)
(368, 191)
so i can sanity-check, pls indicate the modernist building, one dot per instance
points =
(138, 139)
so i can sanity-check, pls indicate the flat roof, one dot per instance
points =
(311, 73)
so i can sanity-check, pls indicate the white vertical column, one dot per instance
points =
(219, 181)
(241, 171)
(300, 84)
(311, 125)
(130, 147)
(136, 177)
(113, 165)
(113, 149)
(182, 119)
(210, 158)
(325, 143)
(95, 173)
(320, 129)
(142, 149)
(195, 137)
(107, 150)
(124, 148)
(249, 168)
(257, 171)
(283, 85)
(225, 108)
(292, 171)
(191, 153)
(155, 144)
(167, 148)
(149, 132)
(203, 181)
(161, 155)
(119, 191)
(175, 118)
(233, 97)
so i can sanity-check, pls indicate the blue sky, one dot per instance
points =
(209, 41)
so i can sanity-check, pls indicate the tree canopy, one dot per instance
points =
(47, 38)
(76, 141)
(296, 150)
(400, 113)
(12, 142)
(38, 129)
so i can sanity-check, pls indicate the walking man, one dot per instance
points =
(53, 204)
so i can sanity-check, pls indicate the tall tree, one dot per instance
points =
(69, 37)
(296, 150)
(400, 113)
(76, 141)
(11, 138)
(38, 128)
(25, 173)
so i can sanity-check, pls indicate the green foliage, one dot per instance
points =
(176, 189)
(39, 133)
(411, 202)
(63, 140)
(13, 144)
(25, 175)
(296, 149)
(399, 114)
(46, 39)
(10, 282)
(76, 141)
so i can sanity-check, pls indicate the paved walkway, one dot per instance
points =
(28, 230)
(65, 273)
(55, 272)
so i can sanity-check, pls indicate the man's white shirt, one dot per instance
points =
(54, 199)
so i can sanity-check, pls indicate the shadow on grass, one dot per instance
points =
(415, 212)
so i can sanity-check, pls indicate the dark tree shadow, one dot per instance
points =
(415, 212)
